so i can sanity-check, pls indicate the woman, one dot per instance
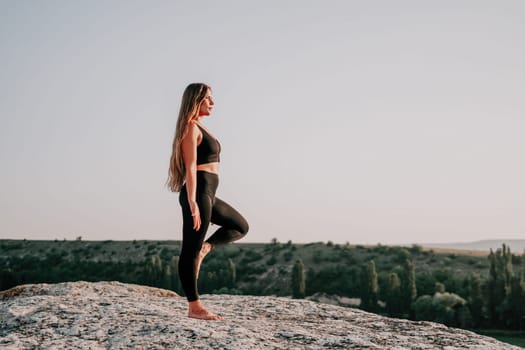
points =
(194, 169)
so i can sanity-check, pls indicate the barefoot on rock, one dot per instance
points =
(197, 310)
(206, 248)
(204, 314)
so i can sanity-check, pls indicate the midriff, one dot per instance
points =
(209, 167)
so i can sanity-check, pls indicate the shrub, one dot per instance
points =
(271, 261)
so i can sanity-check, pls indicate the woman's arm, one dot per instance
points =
(189, 155)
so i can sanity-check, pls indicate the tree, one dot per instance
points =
(408, 286)
(439, 287)
(498, 284)
(175, 279)
(154, 271)
(447, 308)
(369, 288)
(513, 308)
(8, 279)
(475, 300)
(522, 272)
(491, 295)
(167, 278)
(298, 282)
(424, 309)
(232, 273)
(393, 294)
(508, 272)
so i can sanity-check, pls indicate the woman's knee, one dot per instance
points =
(243, 227)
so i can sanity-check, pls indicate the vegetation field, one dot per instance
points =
(464, 252)
(467, 289)
(260, 268)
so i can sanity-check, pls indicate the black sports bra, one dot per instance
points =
(209, 148)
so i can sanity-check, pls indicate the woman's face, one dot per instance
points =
(206, 104)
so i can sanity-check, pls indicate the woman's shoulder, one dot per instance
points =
(193, 127)
(193, 130)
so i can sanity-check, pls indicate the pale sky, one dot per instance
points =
(352, 121)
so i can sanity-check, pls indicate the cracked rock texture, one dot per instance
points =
(113, 315)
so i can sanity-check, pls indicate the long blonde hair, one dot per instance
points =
(189, 109)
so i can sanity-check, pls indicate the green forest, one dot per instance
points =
(466, 291)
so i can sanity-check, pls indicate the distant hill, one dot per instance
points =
(260, 268)
(517, 246)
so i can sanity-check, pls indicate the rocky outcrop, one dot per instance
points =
(113, 315)
(334, 300)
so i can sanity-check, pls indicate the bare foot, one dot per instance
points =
(206, 248)
(197, 310)
(204, 314)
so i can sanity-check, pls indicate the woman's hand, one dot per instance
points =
(195, 213)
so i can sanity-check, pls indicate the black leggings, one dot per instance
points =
(214, 210)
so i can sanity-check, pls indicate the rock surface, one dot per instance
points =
(113, 315)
